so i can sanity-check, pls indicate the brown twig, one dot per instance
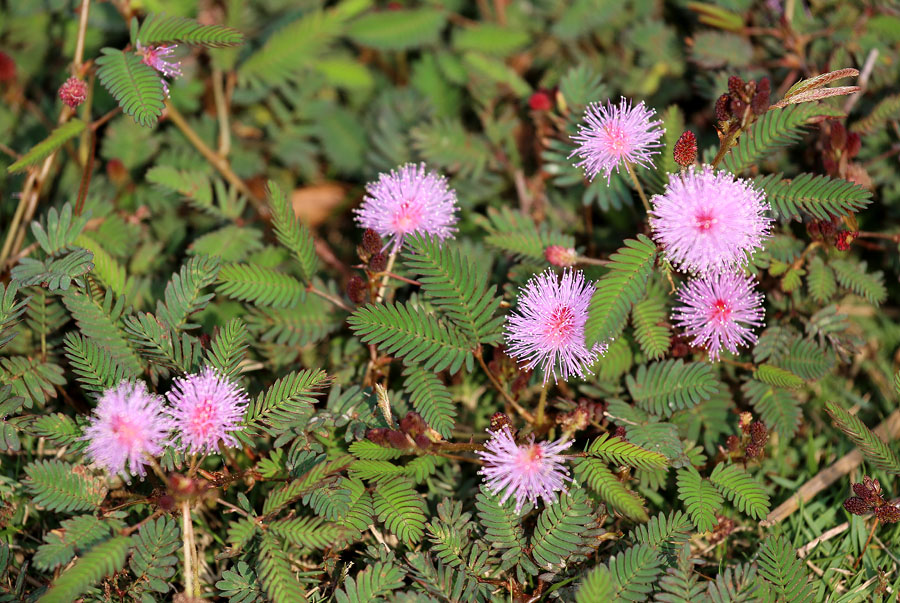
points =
(327, 296)
(868, 540)
(502, 390)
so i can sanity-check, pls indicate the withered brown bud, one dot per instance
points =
(371, 241)
(856, 505)
(376, 435)
(685, 151)
(620, 432)
(166, 502)
(854, 143)
(499, 420)
(378, 262)
(397, 439)
(723, 109)
(760, 102)
(423, 442)
(887, 513)
(732, 442)
(738, 107)
(413, 424)
(356, 289)
(758, 433)
(735, 86)
(752, 451)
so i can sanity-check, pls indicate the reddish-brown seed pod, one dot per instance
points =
(397, 439)
(856, 505)
(499, 420)
(732, 442)
(723, 109)
(735, 86)
(758, 433)
(760, 101)
(376, 435)
(378, 262)
(685, 151)
(413, 424)
(752, 451)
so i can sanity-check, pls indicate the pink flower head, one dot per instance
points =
(127, 426)
(528, 471)
(408, 200)
(160, 58)
(73, 92)
(708, 221)
(615, 135)
(206, 409)
(549, 328)
(719, 311)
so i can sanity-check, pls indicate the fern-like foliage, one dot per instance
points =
(557, 534)
(285, 402)
(821, 197)
(503, 529)
(598, 477)
(680, 583)
(666, 533)
(664, 387)
(598, 585)
(401, 509)
(275, 573)
(854, 277)
(58, 230)
(741, 488)
(228, 347)
(75, 534)
(634, 571)
(620, 289)
(779, 565)
(739, 584)
(651, 328)
(100, 321)
(775, 129)
(886, 110)
(777, 408)
(260, 286)
(167, 30)
(700, 498)
(515, 233)
(193, 185)
(306, 323)
(807, 360)
(376, 581)
(622, 452)
(49, 145)
(409, 333)
(874, 449)
(183, 295)
(93, 366)
(135, 86)
(101, 561)
(306, 532)
(153, 559)
(54, 273)
(820, 280)
(11, 310)
(293, 235)
(777, 377)
(455, 285)
(32, 378)
(240, 585)
(60, 486)
(431, 399)
(162, 347)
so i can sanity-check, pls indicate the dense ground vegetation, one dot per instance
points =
(230, 370)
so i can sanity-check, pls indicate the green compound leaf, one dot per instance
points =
(557, 534)
(821, 197)
(741, 488)
(700, 498)
(293, 235)
(779, 565)
(664, 387)
(49, 145)
(59, 486)
(874, 449)
(401, 509)
(397, 29)
(135, 86)
(598, 477)
(621, 452)
(167, 30)
(101, 561)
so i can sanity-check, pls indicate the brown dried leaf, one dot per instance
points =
(314, 204)
(819, 81)
(816, 95)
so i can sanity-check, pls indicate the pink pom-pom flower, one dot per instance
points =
(127, 426)
(73, 92)
(615, 135)
(548, 329)
(161, 58)
(528, 471)
(719, 311)
(408, 200)
(206, 409)
(709, 221)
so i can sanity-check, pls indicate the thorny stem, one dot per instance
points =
(637, 185)
(540, 416)
(502, 390)
(220, 163)
(868, 540)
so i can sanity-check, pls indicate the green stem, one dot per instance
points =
(637, 185)
(187, 537)
(540, 415)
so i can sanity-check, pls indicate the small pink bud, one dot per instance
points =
(73, 92)
(541, 101)
(558, 255)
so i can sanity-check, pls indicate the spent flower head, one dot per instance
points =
(161, 58)
(206, 409)
(408, 200)
(719, 311)
(615, 135)
(708, 221)
(527, 471)
(548, 327)
(127, 426)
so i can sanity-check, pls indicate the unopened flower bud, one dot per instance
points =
(413, 424)
(378, 262)
(356, 289)
(723, 109)
(758, 433)
(620, 432)
(844, 238)
(735, 86)
(732, 442)
(499, 420)
(558, 255)
(760, 102)
(838, 136)
(856, 505)
(7, 68)
(423, 442)
(752, 451)
(397, 439)
(854, 143)
(738, 106)
(887, 513)
(685, 151)
(73, 92)
(376, 435)
(371, 241)
(541, 101)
